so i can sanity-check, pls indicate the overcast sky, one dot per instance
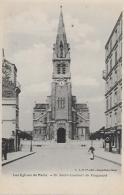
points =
(30, 29)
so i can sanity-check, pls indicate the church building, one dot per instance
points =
(61, 119)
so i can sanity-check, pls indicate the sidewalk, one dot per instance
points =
(102, 154)
(13, 156)
(109, 156)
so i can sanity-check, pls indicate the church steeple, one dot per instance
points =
(61, 46)
(61, 52)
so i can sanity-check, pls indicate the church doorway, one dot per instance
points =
(61, 135)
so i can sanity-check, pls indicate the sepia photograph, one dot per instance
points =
(61, 93)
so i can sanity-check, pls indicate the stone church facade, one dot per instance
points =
(61, 119)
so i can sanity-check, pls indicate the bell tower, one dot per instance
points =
(61, 52)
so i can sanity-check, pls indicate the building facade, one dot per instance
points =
(113, 87)
(61, 119)
(10, 105)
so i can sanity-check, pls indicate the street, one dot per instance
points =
(60, 158)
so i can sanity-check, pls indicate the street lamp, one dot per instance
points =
(31, 143)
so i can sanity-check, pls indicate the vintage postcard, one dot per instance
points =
(61, 97)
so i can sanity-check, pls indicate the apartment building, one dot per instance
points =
(113, 87)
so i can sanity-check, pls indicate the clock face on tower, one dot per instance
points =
(61, 83)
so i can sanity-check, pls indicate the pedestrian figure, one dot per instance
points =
(4, 150)
(91, 150)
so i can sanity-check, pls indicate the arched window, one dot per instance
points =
(61, 49)
(61, 102)
(58, 68)
(58, 102)
(63, 69)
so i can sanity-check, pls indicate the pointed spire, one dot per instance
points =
(61, 41)
(61, 35)
(61, 27)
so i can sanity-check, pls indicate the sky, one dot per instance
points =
(29, 31)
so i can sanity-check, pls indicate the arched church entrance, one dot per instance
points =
(61, 135)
